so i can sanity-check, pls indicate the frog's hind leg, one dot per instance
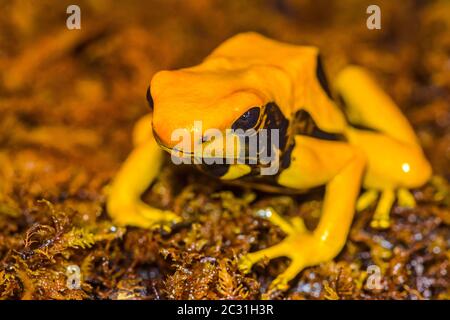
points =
(395, 159)
(367, 105)
(124, 202)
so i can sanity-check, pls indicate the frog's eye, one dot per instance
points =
(248, 120)
(149, 98)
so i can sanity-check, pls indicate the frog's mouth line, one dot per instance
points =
(271, 118)
(179, 153)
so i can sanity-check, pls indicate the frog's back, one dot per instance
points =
(301, 64)
(254, 48)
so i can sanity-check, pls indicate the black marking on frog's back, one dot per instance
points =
(321, 76)
(305, 125)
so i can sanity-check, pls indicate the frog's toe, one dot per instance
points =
(293, 226)
(247, 261)
(281, 283)
(381, 218)
(245, 264)
(365, 200)
(380, 223)
(143, 216)
(405, 198)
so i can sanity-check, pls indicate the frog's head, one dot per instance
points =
(182, 99)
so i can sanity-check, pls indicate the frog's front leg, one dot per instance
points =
(313, 163)
(124, 202)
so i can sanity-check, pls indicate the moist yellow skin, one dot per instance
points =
(250, 70)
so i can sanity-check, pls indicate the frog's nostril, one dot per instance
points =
(149, 98)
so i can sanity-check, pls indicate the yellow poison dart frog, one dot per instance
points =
(252, 82)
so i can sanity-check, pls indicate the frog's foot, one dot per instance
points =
(303, 249)
(141, 215)
(381, 218)
(293, 226)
